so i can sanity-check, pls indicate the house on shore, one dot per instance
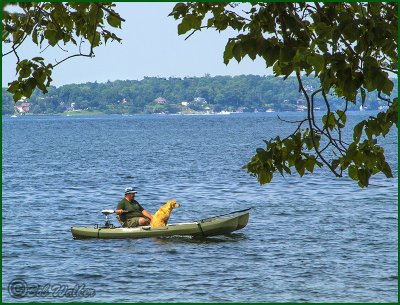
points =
(23, 107)
(160, 100)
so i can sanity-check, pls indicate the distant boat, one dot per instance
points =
(14, 116)
(361, 108)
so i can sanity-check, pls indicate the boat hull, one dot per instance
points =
(207, 228)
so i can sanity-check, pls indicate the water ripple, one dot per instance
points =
(304, 242)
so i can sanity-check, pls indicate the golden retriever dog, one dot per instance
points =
(161, 217)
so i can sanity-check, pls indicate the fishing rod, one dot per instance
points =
(212, 217)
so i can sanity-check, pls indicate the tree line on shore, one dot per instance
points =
(246, 93)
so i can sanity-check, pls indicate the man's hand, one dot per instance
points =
(119, 212)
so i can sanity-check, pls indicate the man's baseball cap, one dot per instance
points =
(130, 190)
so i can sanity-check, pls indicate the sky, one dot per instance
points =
(150, 47)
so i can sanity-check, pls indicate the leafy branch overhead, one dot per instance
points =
(61, 24)
(350, 47)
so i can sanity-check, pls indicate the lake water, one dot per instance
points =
(310, 239)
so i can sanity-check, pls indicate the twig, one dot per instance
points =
(382, 98)
(44, 49)
(61, 48)
(291, 122)
(312, 109)
(194, 31)
(109, 11)
(75, 55)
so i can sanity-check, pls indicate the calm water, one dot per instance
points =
(310, 239)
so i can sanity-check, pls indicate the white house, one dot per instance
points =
(200, 100)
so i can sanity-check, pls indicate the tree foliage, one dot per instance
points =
(53, 24)
(248, 93)
(349, 47)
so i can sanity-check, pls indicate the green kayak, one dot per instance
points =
(205, 227)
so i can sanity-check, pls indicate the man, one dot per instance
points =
(134, 215)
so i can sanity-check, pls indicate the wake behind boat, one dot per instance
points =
(211, 226)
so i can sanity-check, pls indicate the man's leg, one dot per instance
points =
(144, 221)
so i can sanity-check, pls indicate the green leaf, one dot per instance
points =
(387, 170)
(228, 51)
(309, 163)
(317, 61)
(183, 27)
(353, 173)
(341, 116)
(300, 166)
(114, 21)
(34, 36)
(363, 96)
(271, 55)
(237, 51)
(22, 64)
(358, 131)
(25, 72)
(335, 163)
(309, 143)
(17, 96)
(358, 158)
(380, 79)
(29, 86)
(363, 176)
(265, 177)
(287, 170)
(180, 9)
(286, 54)
(38, 59)
(190, 22)
(317, 140)
(329, 122)
(221, 22)
(13, 87)
(387, 87)
(51, 36)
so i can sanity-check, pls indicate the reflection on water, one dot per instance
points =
(168, 240)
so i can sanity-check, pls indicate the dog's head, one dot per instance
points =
(172, 204)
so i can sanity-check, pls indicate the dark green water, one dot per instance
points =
(310, 239)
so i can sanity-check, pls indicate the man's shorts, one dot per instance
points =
(132, 222)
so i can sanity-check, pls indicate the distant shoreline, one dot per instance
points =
(171, 114)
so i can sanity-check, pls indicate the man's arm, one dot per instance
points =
(120, 208)
(147, 214)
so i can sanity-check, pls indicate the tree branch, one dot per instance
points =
(94, 31)
(311, 126)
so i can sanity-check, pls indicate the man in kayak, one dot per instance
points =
(134, 215)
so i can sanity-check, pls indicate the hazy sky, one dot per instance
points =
(150, 47)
